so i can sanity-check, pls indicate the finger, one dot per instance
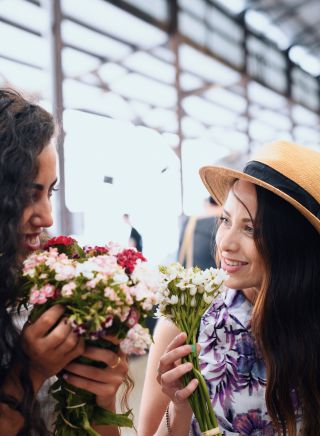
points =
(177, 341)
(103, 375)
(95, 387)
(101, 355)
(58, 335)
(46, 321)
(168, 360)
(183, 394)
(174, 375)
(72, 346)
(113, 339)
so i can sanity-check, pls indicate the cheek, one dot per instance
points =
(218, 237)
(27, 213)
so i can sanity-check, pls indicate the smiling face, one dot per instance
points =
(235, 238)
(37, 215)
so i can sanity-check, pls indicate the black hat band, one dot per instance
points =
(271, 176)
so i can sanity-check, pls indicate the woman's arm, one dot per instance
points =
(154, 402)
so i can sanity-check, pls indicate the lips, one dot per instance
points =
(232, 265)
(32, 241)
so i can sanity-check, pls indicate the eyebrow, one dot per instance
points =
(245, 220)
(40, 187)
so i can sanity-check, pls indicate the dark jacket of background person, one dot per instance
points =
(197, 244)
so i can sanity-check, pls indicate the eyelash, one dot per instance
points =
(223, 219)
(249, 229)
(52, 191)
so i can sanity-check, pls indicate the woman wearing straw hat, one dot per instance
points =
(260, 344)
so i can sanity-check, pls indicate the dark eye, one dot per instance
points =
(52, 190)
(34, 194)
(249, 230)
(224, 220)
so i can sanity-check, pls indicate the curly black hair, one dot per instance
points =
(25, 129)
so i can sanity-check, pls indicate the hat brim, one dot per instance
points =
(218, 181)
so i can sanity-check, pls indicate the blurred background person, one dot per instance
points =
(197, 243)
(135, 238)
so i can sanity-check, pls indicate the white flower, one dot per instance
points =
(192, 289)
(64, 271)
(120, 278)
(220, 276)
(174, 299)
(67, 290)
(114, 248)
(208, 298)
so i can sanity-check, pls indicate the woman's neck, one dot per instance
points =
(250, 294)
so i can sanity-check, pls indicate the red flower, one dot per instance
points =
(95, 251)
(59, 240)
(128, 259)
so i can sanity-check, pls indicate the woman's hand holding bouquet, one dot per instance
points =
(103, 291)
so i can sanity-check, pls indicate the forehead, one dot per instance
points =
(47, 159)
(242, 195)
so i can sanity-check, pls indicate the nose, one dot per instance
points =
(228, 241)
(42, 214)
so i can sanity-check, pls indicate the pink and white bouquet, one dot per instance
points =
(106, 290)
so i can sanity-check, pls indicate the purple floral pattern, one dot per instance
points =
(233, 368)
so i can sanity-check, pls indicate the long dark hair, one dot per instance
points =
(25, 129)
(286, 316)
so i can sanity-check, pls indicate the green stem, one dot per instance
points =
(212, 415)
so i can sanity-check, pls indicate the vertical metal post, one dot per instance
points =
(175, 43)
(63, 217)
(245, 76)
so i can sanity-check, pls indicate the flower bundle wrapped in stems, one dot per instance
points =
(183, 296)
(106, 291)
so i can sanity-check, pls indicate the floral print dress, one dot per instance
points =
(233, 369)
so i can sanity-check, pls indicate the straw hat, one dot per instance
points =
(287, 169)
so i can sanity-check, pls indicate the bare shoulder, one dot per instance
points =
(165, 331)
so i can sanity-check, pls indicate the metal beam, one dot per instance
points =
(290, 11)
(64, 216)
(19, 26)
(99, 31)
(138, 13)
(306, 32)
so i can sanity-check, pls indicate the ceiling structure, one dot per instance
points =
(215, 78)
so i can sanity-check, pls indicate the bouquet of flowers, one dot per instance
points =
(106, 290)
(183, 296)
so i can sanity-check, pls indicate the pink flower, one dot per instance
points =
(67, 290)
(108, 322)
(48, 290)
(109, 293)
(37, 297)
(137, 341)
(133, 318)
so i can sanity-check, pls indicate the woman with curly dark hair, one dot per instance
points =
(29, 358)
